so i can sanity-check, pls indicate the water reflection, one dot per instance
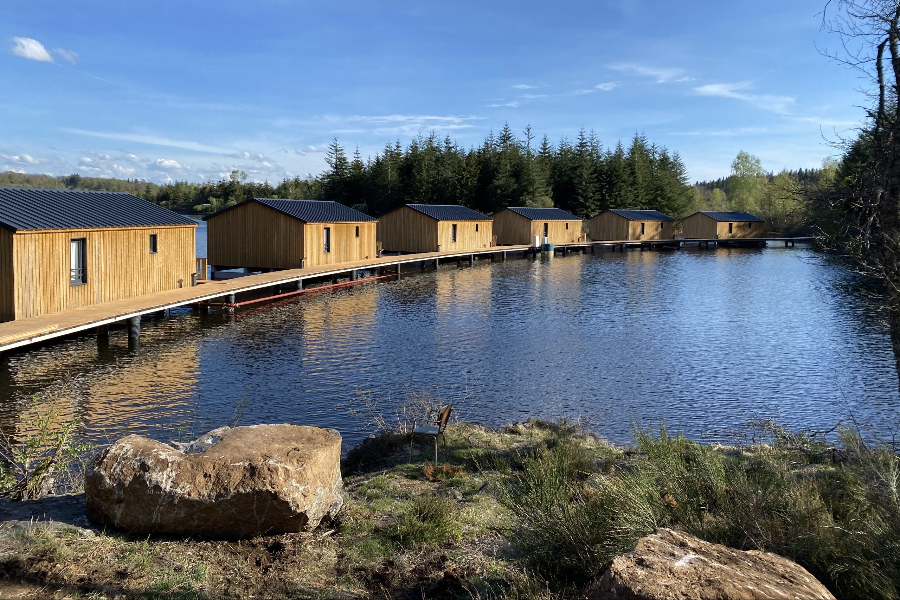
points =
(701, 339)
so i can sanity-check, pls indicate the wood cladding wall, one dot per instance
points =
(254, 235)
(407, 230)
(118, 261)
(512, 228)
(470, 235)
(7, 277)
(346, 245)
(612, 227)
(700, 226)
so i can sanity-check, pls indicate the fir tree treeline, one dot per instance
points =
(578, 175)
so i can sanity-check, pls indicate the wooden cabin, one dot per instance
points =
(265, 233)
(434, 228)
(518, 225)
(631, 225)
(66, 249)
(722, 225)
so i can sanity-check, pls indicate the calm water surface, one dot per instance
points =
(703, 340)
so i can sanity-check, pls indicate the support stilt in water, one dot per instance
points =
(437, 263)
(134, 333)
(471, 260)
(398, 272)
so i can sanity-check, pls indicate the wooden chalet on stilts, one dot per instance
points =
(267, 234)
(434, 228)
(518, 225)
(66, 249)
(722, 225)
(631, 225)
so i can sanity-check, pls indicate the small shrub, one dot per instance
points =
(442, 472)
(426, 520)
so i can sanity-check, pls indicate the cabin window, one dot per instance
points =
(152, 243)
(78, 261)
(476, 227)
(730, 225)
(453, 233)
(749, 225)
(357, 231)
(546, 229)
(326, 237)
(567, 225)
(642, 228)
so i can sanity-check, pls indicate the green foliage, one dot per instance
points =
(426, 520)
(836, 511)
(48, 459)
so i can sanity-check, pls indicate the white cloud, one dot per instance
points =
(22, 159)
(523, 86)
(511, 104)
(776, 104)
(153, 140)
(165, 163)
(31, 49)
(68, 55)
(583, 92)
(608, 86)
(533, 96)
(131, 158)
(659, 74)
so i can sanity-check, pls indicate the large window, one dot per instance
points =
(152, 243)
(453, 233)
(327, 238)
(78, 261)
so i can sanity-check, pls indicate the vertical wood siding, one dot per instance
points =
(467, 238)
(610, 226)
(699, 227)
(254, 235)
(119, 265)
(407, 230)
(740, 230)
(512, 228)
(345, 246)
(7, 277)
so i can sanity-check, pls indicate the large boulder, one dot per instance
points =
(230, 483)
(673, 565)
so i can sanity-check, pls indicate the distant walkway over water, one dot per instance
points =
(281, 284)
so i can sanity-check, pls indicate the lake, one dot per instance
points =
(701, 340)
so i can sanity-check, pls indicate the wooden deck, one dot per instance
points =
(24, 332)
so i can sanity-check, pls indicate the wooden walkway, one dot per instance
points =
(24, 332)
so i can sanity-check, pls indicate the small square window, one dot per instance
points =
(152, 243)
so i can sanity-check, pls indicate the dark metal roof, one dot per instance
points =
(31, 208)
(641, 215)
(308, 211)
(449, 212)
(730, 215)
(543, 214)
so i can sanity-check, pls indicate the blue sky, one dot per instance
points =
(174, 90)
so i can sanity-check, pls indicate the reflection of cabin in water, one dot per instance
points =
(519, 225)
(722, 225)
(264, 233)
(630, 225)
(65, 249)
(434, 228)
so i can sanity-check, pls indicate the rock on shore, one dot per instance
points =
(229, 483)
(672, 565)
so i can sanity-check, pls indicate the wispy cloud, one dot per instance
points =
(533, 96)
(153, 140)
(392, 124)
(510, 104)
(523, 86)
(583, 92)
(723, 132)
(827, 122)
(736, 91)
(658, 74)
(31, 49)
(21, 159)
(608, 86)
(67, 55)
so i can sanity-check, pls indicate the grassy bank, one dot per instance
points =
(533, 511)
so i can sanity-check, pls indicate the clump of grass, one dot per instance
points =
(839, 517)
(443, 472)
(426, 520)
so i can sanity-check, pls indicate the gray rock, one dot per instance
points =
(229, 483)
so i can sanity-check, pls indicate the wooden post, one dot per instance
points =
(298, 285)
(134, 333)
(471, 260)
(398, 271)
(437, 263)
(503, 254)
